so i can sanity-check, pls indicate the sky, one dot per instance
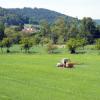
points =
(74, 8)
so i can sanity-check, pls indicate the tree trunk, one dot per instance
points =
(25, 50)
(73, 51)
(8, 50)
(1, 50)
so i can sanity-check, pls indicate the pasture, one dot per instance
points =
(35, 77)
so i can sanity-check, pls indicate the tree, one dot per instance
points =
(45, 41)
(88, 29)
(73, 29)
(2, 28)
(97, 34)
(83, 42)
(59, 29)
(26, 44)
(13, 19)
(12, 34)
(37, 39)
(73, 44)
(1, 46)
(32, 20)
(19, 27)
(60, 40)
(54, 37)
(97, 46)
(7, 42)
(45, 28)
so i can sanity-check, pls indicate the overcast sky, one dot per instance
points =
(75, 8)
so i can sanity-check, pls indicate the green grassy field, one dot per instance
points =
(35, 77)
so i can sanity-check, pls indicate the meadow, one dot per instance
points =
(36, 77)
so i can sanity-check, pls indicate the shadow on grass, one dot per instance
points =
(20, 52)
(81, 52)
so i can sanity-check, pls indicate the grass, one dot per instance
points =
(35, 77)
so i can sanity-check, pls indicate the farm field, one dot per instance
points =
(36, 77)
(49, 50)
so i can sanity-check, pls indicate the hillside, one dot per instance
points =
(28, 15)
(97, 21)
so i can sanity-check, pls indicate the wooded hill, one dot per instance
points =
(25, 15)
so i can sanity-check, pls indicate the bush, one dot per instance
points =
(97, 46)
(50, 48)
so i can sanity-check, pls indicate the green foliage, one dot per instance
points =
(73, 31)
(45, 41)
(52, 26)
(88, 29)
(10, 32)
(1, 46)
(73, 44)
(2, 28)
(60, 40)
(7, 42)
(19, 27)
(44, 28)
(32, 20)
(59, 29)
(51, 48)
(26, 44)
(36, 40)
(29, 15)
(97, 46)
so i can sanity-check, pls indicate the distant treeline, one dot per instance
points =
(53, 28)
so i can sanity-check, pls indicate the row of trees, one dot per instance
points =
(61, 31)
(77, 33)
(26, 44)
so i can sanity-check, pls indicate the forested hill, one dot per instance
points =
(28, 15)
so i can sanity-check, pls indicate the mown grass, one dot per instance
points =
(35, 77)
